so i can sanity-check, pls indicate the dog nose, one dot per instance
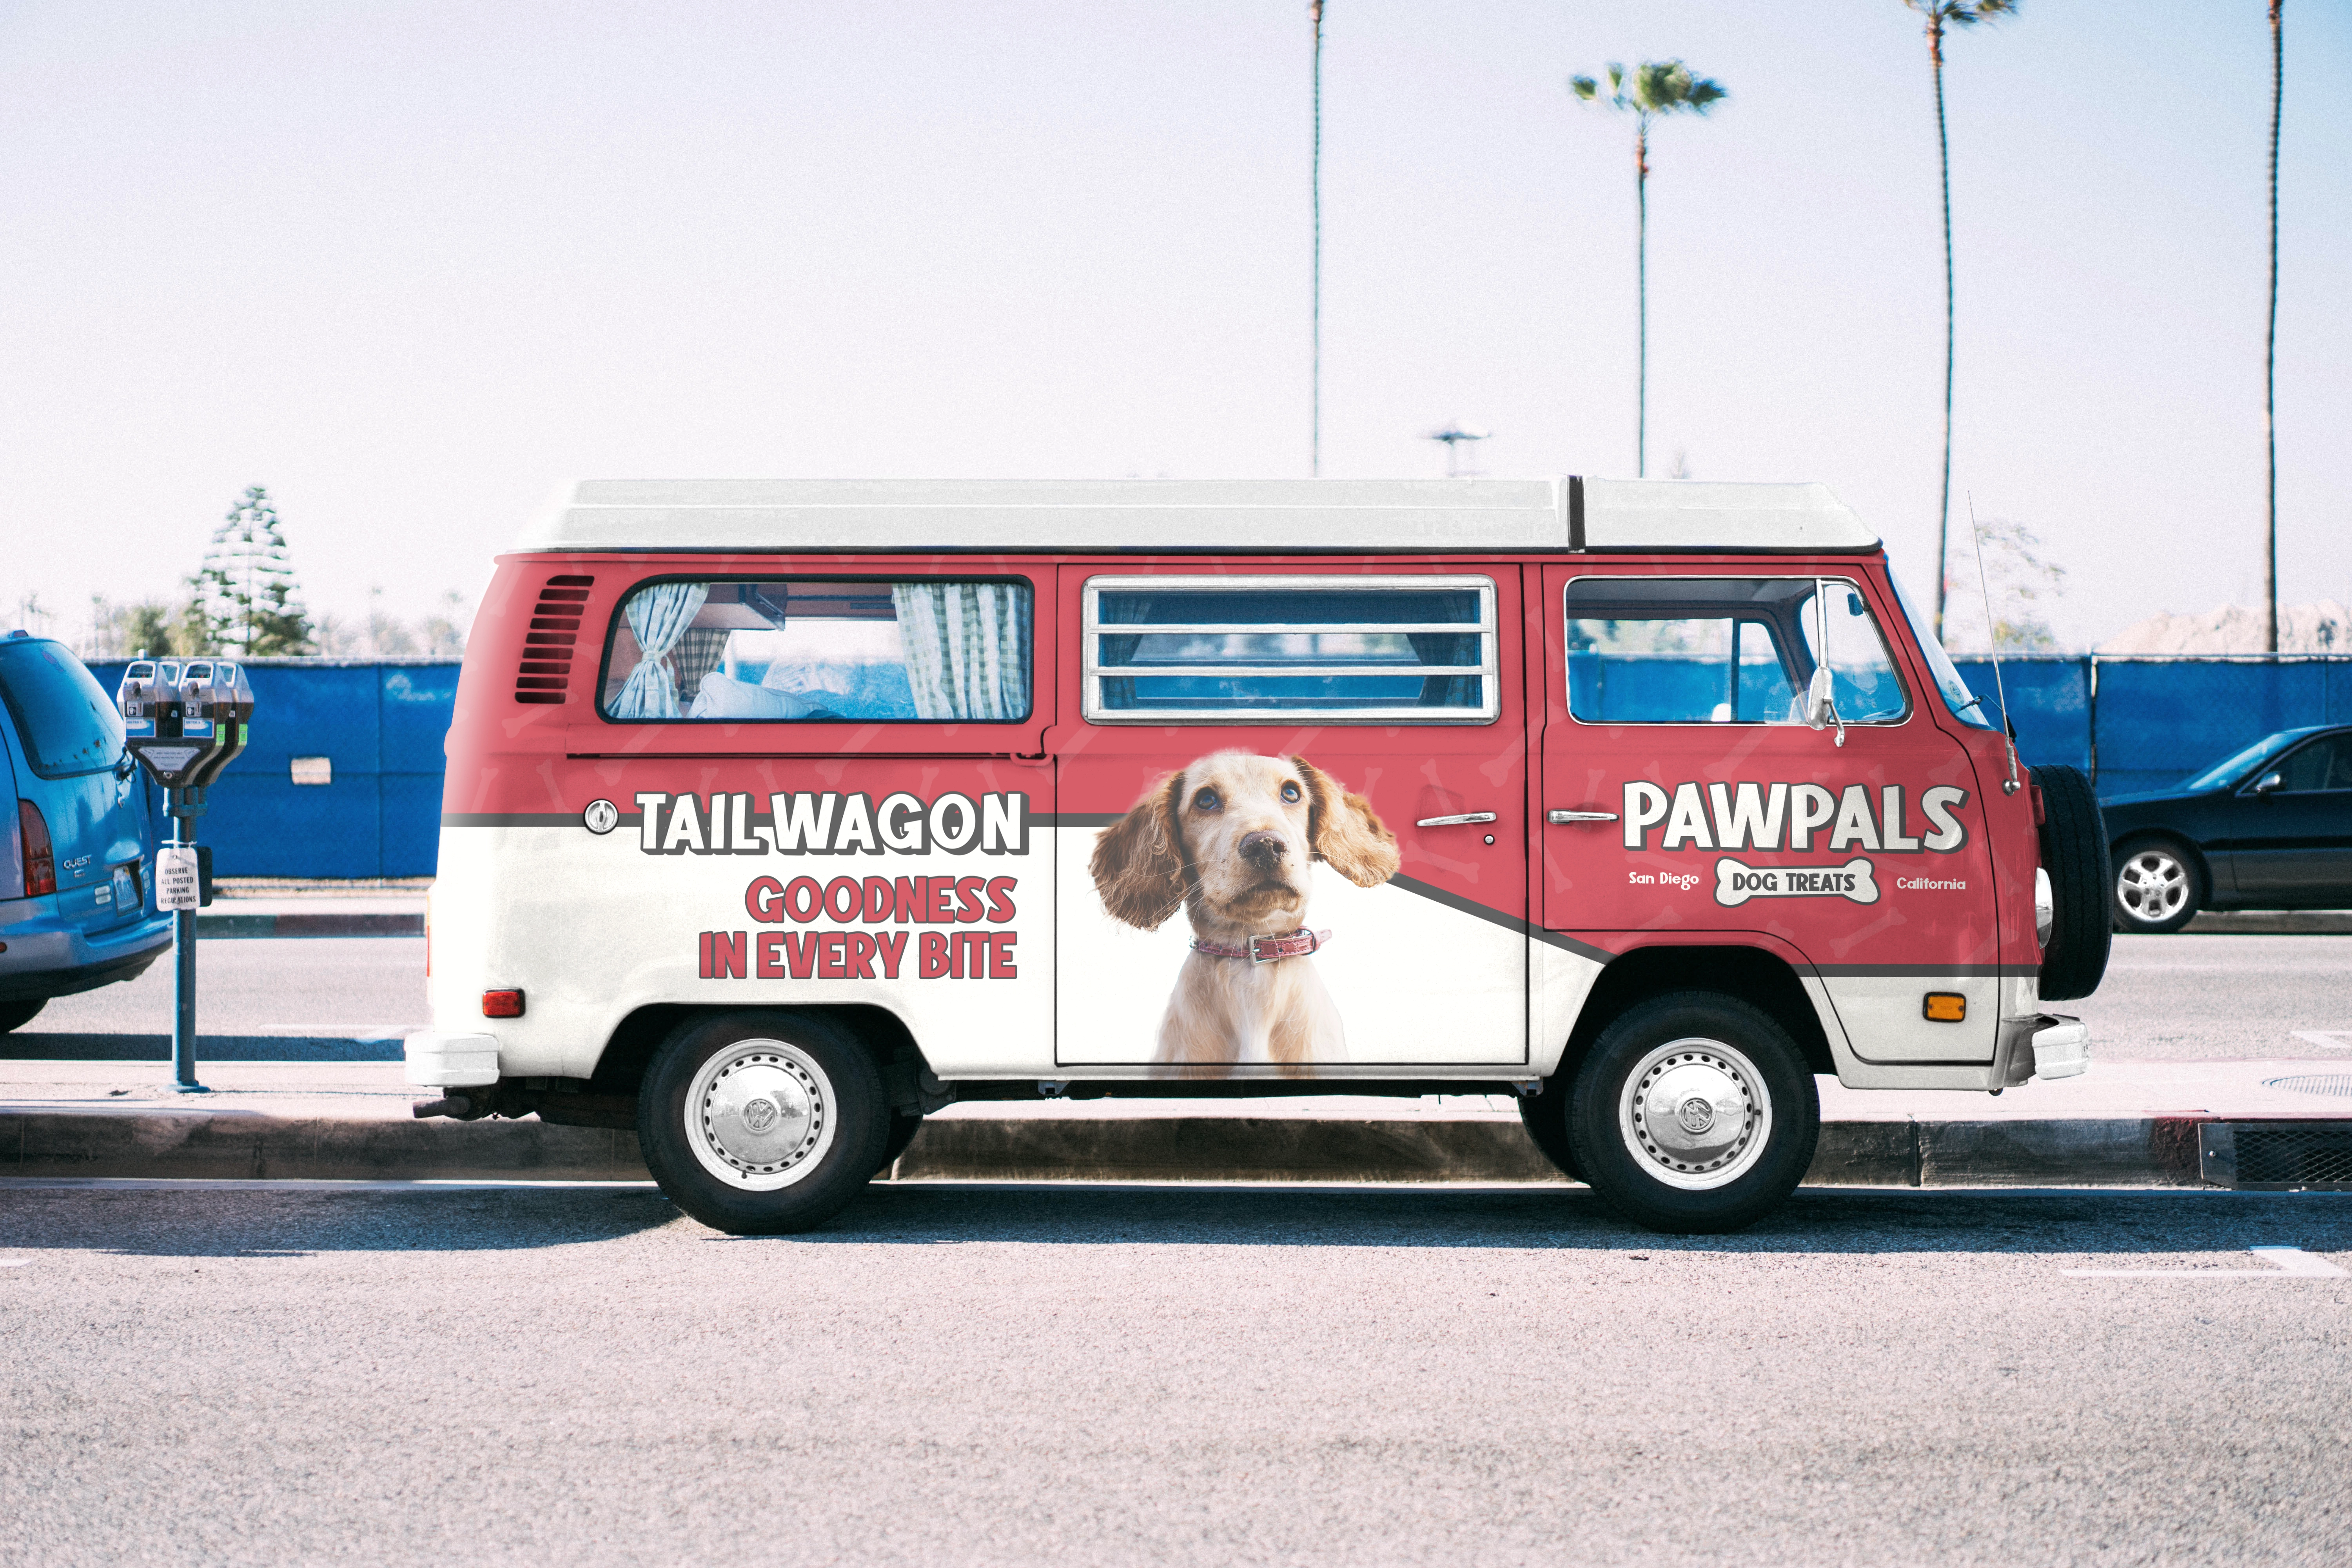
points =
(1264, 848)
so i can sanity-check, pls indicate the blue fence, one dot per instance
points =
(2130, 723)
(379, 724)
(2144, 723)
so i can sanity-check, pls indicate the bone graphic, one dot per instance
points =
(1735, 883)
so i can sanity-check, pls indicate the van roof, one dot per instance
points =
(1008, 516)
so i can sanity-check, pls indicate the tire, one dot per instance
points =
(1545, 1116)
(2158, 886)
(903, 1128)
(2074, 854)
(761, 1123)
(1684, 1170)
(16, 1015)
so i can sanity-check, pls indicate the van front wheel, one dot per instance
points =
(1695, 1113)
(761, 1123)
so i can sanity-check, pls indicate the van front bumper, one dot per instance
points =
(436, 1060)
(2046, 1046)
(49, 954)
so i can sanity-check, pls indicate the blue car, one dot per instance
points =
(77, 847)
(2269, 828)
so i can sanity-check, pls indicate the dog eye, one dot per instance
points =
(1206, 800)
(1290, 791)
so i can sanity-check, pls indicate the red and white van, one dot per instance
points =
(780, 815)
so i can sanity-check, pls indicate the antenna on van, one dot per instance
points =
(1992, 641)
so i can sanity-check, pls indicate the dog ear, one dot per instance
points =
(1139, 860)
(1343, 829)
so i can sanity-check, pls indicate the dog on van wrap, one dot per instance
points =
(1232, 837)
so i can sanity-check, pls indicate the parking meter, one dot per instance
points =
(185, 722)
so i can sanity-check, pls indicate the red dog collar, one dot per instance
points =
(1269, 949)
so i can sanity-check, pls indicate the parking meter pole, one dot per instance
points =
(184, 807)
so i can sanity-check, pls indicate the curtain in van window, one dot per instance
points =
(966, 647)
(658, 616)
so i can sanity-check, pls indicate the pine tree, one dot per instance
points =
(244, 598)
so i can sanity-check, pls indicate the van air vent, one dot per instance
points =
(547, 646)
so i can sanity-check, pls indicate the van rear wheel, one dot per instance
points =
(761, 1123)
(1695, 1113)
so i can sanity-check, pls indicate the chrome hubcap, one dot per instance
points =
(2152, 886)
(1695, 1113)
(759, 1114)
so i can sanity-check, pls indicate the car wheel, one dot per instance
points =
(2158, 888)
(903, 1128)
(16, 1015)
(1545, 1116)
(2074, 857)
(761, 1123)
(1694, 1112)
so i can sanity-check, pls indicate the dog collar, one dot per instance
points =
(1269, 949)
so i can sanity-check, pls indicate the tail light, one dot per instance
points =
(40, 856)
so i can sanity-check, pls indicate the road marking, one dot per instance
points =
(2326, 1040)
(14, 1262)
(2286, 1263)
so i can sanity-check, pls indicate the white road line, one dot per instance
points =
(2286, 1263)
(14, 1262)
(2326, 1040)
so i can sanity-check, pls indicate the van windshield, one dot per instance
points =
(65, 721)
(1966, 705)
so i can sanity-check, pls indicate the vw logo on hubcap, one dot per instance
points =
(1696, 1114)
(759, 1115)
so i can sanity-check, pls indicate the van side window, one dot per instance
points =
(1722, 650)
(1343, 649)
(820, 650)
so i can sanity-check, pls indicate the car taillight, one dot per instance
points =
(41, 857)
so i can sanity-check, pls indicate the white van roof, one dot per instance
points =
(1010, 516)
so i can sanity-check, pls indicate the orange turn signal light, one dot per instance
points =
(501, 1003)
(1940, 1007)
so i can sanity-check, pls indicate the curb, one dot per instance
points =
(378, 924)
(2270, 922)
(182, 1143)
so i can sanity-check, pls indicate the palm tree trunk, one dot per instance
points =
(1944, 157)
(1641, 301)
(2270, 346)
(1315, 374)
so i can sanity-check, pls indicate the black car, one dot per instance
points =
(2269, 828)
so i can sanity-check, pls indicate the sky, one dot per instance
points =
(416, 265)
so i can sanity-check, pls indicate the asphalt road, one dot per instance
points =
(2166, 997)
(319, 987)
(2206, 997)
(1095, 1376)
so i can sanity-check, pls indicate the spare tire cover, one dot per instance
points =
(2074, 854)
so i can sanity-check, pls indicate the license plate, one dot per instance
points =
(126, 889)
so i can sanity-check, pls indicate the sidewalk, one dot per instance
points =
(2123, 1123)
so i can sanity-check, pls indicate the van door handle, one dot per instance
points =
(1562, 818)
(1459, 820)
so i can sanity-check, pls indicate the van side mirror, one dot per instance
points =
(1820, 703)
(2269, 782)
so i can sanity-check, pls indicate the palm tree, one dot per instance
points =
(1315, 201)
(1656, 88)
(1941, 15)
(2269, 343)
